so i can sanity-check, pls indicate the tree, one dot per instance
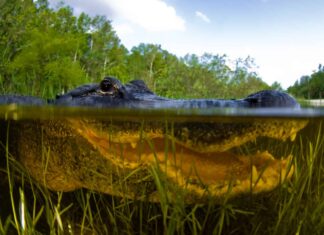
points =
(147, 62)
(276, 86)
(310, 87)
(244, 80)
(15, 19)
(104, 54)
(51, 44)
(316, 84)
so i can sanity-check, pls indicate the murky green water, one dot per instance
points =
(199, 154)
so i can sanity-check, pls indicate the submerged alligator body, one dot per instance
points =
(130, 157)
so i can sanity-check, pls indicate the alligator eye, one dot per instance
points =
(108, 87)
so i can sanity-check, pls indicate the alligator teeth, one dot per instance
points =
(254, 174)
(133, 144)
(293, 137)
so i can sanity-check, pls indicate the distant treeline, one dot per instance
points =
(45, 52)
(310, 87)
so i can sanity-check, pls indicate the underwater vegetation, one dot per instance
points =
(296, 206)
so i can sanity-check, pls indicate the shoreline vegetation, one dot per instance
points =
(45, 52)
(315, 102)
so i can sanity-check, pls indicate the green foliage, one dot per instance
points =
(45, 61)
(310, 87)
(147, 62)
(276, 86)
(63, 74)
(14, 20)
(104, 54)
(46, 51)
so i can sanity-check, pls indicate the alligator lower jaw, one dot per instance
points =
(199, 175)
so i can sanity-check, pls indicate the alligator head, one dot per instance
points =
(110, 92)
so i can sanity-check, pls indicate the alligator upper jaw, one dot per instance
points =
(214, 174)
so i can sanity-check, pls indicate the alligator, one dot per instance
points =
(148, 159)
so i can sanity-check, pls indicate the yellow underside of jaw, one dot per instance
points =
(214, 174)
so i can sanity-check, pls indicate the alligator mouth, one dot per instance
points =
(214, 174)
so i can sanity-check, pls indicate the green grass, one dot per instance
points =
(295, 207)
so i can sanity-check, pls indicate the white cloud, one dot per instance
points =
(152, 15)
(92, 8)
(282, 63)
(202, 16)
(123, 29)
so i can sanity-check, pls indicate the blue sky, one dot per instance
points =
(285, 37)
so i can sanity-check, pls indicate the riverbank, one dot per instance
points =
(315, 102)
